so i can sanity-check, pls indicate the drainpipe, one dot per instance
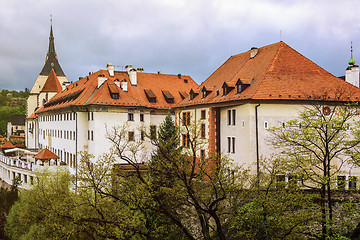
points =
(257, 145)
(76, 151)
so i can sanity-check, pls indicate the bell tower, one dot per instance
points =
(51, 63)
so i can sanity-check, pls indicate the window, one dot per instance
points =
(266, 125)
(280, 180)
(141, 117)
(203, 129)
(231, 115)
(231, 144)
(203, 114)
(243, 123)
(90, 116)
(186, 118)
(352, 182)
(150, 96)
(152, 132)
(131, 136)
(92, 135)
(341, 182)
(186, 140)
(130, 116)
(142, 135)
(224, 90)
(239, 88)
(115, 95)
(202, 154)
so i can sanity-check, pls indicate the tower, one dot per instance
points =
(47, 84)
(352, 71)
(51, 62)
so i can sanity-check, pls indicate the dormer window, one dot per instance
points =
(183, 95)
(205, 92)
(238, 88)
(114, 91)
(227, 88)
(115, 96)
(241, 85)
(168, 97)
(150, 96)
(192, 94)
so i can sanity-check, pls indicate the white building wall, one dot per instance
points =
(57, 130)
(31, 136)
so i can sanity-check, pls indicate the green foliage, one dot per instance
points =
(316, 146)
(277, 210)
(11, 103)
(7, 198)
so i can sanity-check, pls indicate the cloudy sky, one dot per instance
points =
(192, 37)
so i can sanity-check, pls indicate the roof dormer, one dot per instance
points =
(227, 87)
(241, 85)
(150, 96)
(168, 97)
(114, 91)
(205, 92)
(193, 94)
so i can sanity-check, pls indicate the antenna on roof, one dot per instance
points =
(51, 18)
(280, 35)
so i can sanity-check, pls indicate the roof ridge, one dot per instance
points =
(270, 65)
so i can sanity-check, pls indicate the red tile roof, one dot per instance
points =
(8, 145)
(52, 83)
(277, 72)
(32, 116)
(86, 92)
(46, 154)
(19, 145)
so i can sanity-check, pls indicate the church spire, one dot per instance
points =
(51, 41)
(51, 61)
(352, 61)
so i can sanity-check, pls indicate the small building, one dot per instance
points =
(16, 125)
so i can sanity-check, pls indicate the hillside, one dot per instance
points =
(11, 103)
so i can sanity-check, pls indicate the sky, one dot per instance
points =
(191, 37)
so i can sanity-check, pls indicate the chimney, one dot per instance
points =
(124, 85)
(128, 68)
(140, 70)
(101, 80)
(133, 77)
(64, 85)
(110, 69)
(253, 52)
(117, 82)
(179, 76)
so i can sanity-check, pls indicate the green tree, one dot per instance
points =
(317, 145)
(8, 196)
(277, 209)
(191, 192)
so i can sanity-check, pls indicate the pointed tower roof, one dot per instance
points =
(52, 83)
(352, 61)
(51, 58)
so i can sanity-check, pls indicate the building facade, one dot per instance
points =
(259, 89)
